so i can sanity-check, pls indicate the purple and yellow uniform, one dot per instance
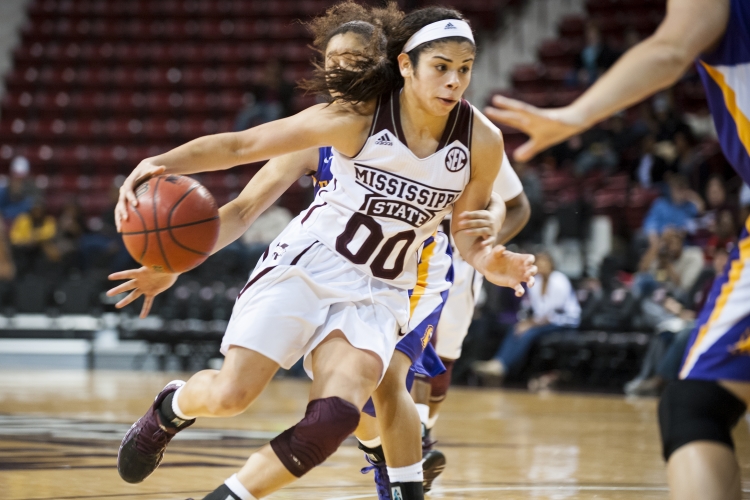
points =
(434, 278)
(719, 347)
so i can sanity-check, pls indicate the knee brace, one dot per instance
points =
(439, 384)
(697, 410)
(326, 424)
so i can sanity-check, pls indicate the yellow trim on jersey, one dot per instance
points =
(423, 271)
(726, 290)
(730, 99)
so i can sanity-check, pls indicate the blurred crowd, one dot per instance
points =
(595, 272)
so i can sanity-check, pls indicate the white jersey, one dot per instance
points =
(385, 202)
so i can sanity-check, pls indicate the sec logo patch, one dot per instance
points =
(455, 159)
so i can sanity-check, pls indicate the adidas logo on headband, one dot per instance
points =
(436, 31)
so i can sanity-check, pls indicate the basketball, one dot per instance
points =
(175, 225)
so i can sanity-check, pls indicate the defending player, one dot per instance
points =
(696, 413)
(345, 264)
(458, 309)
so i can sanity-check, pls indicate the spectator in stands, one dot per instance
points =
(723, 235)
(598, 153)
(565, 153)
(669, 264)
(624, 137)
(33, 238)
(550, 306)
(7, 267)
(652, 168)
(667, 122)
(677, 210)
(19, 194)
(744, 199)
(595, 57)
(662, 361)
(71, 225)
(688, 159)
(270, 101)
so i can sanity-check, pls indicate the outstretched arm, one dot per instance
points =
(236, 217)
(336, 125)
(690, 28)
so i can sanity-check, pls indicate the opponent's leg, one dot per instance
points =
(696, 418)
(221, 393)
(344, 378)
(400, 430)
(439, 390)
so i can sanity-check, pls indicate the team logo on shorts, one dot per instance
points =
(456, 159)
(396, 493)
(743, 345)
(427, 336)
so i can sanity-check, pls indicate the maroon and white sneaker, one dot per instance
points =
(142, 448)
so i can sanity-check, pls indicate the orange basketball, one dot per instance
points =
(175, 225)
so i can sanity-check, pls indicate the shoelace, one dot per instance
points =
(147, 442)
(382, 489)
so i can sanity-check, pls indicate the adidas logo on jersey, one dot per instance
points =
(450, 26)
(384, 140)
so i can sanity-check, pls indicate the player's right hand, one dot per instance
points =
(545, 127)
(144, 171)
(144, 281)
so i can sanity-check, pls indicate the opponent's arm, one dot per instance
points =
(261, 192)
(689, 28)
(507, 214)
(496, 264)
(335, 125)
(236, 217)
(518, 212)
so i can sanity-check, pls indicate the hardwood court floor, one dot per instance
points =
(59, 433)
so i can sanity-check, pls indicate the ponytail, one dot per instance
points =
(369, 73)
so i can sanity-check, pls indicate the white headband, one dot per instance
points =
(438, 30)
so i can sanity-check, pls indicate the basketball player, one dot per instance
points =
(350, 35)
(696, 413)
(459, 307)
(345, 32)
(333, 286)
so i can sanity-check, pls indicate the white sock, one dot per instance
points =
(176, 407)
(234, 484)
(372, 443)
(432, 421)
(408, 474)
(424, 412)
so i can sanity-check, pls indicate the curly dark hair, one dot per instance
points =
(370, 73)
(415, 21)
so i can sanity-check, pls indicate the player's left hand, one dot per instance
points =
(505, 268)
(143, 172)
(143, 281)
